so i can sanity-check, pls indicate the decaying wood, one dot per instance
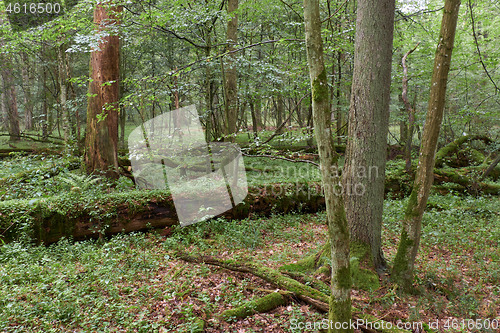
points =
(113, 214)
(260, 305)
(454, 146)
(305, 293)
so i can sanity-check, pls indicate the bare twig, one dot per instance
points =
(286, 120)
(335, 13)
(479, 50)
(293, 10)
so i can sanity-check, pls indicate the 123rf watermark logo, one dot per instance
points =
(357, 324)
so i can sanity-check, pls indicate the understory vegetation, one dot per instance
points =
(136, 281)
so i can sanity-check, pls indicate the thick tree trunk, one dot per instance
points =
(123, 110)
(9, 93)
(340, 301)
(404, 262)
(364, 171)
(11, 100)
(231, 88)
(101, 142)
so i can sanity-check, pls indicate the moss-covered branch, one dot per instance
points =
(259, 305)
(309, 295)
(454, 146)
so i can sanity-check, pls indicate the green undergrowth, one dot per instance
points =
(42, 176)
(458, 265)
(132, 282)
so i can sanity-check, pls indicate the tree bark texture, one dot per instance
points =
(409, 109)
(340, 301)
(11, 100)
(101, 142)
(9, 93)
(63, 91)
(404, 262)
(364, 170)
(28, 96)
(231, 88)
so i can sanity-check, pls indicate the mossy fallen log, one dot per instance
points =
(47, 220)
(76, 216)
(469, 185)
(270, 275)
(259, 305)
(452, 147)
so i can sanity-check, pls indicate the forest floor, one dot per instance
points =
(134, 283)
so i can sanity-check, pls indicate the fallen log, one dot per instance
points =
(260, 305)
(452, 147)
(469, 185)
(78, 217)
(490, 170)
(303, 292)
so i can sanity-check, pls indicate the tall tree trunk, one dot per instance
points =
(63, 92)
(340, 301)
(254, 119)
(9, 92)
(280, 110)
(101, 142)
(28, 97)
(404, 262)
(10, 100)
(231, 89)
(123, 110)
(409, 110)
(45, 107)
(364, 170)
(3, 108)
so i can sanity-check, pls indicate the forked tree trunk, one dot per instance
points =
(231, 88)
(404, 262)
(364, 171)
(101, 142)
(340, 301)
